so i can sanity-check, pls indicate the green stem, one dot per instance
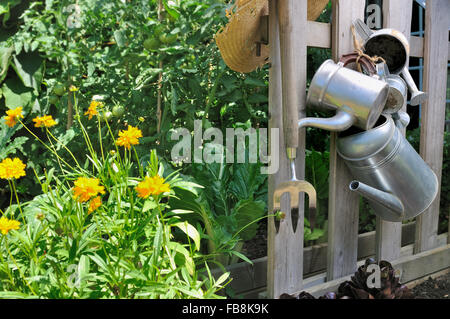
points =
(15, 264)
(65, 147)
(100, 138)
(141, 171)
(18, 202)
(7, 267)
(53, 147)
(49, 148)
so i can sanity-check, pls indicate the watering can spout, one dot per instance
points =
(340, 122)
(389, 201)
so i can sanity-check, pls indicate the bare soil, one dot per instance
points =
(438, 288)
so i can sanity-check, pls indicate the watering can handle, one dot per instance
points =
(367, 64)
(289, 77)
(362, 29)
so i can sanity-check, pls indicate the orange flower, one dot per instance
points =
(95, 203)
(92, 110)
(152, 186)
(12, 168)
(86, 188)
(129, 137)
(8, 224)
(44, 121)
(12, 116)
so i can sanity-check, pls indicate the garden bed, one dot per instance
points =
(433, 288)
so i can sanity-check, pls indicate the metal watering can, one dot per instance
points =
(393, 46)
(357, 98)
(388, 171)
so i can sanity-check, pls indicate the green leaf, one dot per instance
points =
(15, 295)
(174, 13)
(12, 147)
(148, 205)
(16, 94)
(99, 261)
(182, 258)
(254, 82)
(246, 213)
(223, 277)
(29, 69)
(191, 231)
(5, 58)
(83, 267)
(73, 249)
(242, 256)
(120, 38)
(173, 101)
(186, 185)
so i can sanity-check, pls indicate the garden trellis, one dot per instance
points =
(414, 248)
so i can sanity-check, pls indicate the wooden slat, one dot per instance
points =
(319, 34)
(285, 247)
(254, 276)
(411, 267)
(416, 47)
(275, 121)
(397, 15)
(343, 204)
(318, 282)
(433, 111)
(416, 50)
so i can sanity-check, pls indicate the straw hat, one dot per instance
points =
(237, 41)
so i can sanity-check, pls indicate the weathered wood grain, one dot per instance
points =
(343, 204)
(285, 247)
(433, 111)
(397, 15)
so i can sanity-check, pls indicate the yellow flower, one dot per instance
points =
(73, 88)
(95, 203)
(92, 110)
(12, 116)
(12, 168)
(152, 186)
(86, 188)
(8, 224)
(44, 121)
(129, 137)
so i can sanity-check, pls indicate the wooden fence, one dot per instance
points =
(414, 248)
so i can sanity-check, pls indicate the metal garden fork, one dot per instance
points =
(291, 103)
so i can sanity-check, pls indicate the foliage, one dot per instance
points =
(120, 52)
(127, 246)
(230, 206)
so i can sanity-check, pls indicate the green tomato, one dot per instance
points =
(59, 89)
(118, 111)
(168, 38)
(107, 115)
(171, 38)
(53, 99)
(152, 44)
(159, 29)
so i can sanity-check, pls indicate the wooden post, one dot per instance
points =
(397, 14)
(433, 111)
(285, 247)
(343, 204)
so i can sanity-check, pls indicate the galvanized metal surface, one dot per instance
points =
(381, 159)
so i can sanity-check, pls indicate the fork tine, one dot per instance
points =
(294, 188)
